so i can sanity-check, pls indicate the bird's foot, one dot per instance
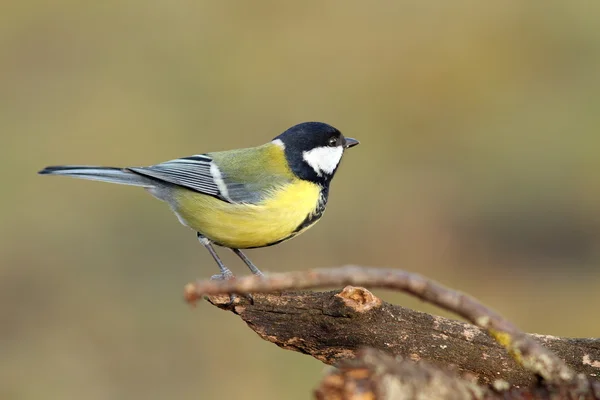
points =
(225, 276)
(232, 297)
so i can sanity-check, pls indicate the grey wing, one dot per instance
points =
(201, 174)
(196, 173)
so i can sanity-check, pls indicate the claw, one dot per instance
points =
(225, 277)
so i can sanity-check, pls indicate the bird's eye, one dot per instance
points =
(333, 142)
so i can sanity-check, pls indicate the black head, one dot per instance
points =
(314, 150)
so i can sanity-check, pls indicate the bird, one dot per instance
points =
(243, 198)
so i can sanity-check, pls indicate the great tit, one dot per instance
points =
(244, 198)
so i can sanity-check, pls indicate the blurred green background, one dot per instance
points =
(479, 167)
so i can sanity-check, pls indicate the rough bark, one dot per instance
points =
(332, 326)
(490, 359)
(376, 375)
(529, 353)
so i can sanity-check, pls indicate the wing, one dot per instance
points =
(195, 172)
(235, 176)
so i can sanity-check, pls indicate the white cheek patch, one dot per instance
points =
(323, 159)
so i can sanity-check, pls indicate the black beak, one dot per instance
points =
(350, 143)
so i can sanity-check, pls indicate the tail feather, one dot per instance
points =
(104, 174)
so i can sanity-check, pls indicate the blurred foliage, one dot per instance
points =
(478, 167)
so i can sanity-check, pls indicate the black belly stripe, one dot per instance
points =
(315, 215)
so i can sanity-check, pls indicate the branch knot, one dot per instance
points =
(359, 299)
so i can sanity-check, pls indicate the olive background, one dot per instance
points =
(478, 167)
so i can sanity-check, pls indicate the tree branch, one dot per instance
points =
(333, 326)
(375, 375)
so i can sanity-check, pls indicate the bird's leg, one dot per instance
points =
(253, 268)
(225, 272)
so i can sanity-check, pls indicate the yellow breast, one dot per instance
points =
(245, 226)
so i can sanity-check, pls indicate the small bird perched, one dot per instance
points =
(245, 198)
